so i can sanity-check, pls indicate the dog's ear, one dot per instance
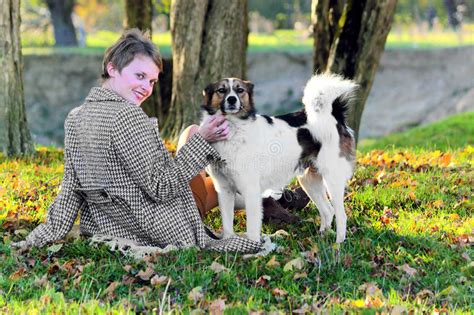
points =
(207, 93)
(207, 101)
(250, 86)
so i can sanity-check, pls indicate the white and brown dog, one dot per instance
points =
(263, 153)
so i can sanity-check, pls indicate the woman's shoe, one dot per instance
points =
(294, 200)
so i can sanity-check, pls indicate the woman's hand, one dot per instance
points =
(214, 128)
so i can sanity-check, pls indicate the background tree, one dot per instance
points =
(209, 43)
(15, 137)
(61, 16)
(349, 38)
(139, 14)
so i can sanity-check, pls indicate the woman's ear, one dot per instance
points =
(111, 69)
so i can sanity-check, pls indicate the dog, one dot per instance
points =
(263, 153)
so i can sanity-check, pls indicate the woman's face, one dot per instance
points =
(135, 82)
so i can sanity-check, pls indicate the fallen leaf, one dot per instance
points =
(297, 263)
(371, 289)
(77, 281)
(17, 274)
(30, 262)
(128, 280)
(127, 268)
(159, 280)
(280, 234)
(448, 291)
(279, 292)
(375, 302)
(55, 248)
(142, 291)
(195, 294)
(216, 267)
(304, 309)
(454, 216)
(272, 263)
(43, 281)
(423, 294)
(263, 280)
(399, 310)
(409, 270)
(302, 275)
(438, 203)
(111, 288)
(217, 307)
(145, 275)
(466, 257)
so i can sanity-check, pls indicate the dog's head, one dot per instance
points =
(231, 96)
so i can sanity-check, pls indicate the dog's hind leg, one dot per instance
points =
(313, 184)
(336, 184)
(226, 205)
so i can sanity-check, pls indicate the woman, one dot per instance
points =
(118, 174)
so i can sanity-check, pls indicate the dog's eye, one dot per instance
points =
(221, 90)
(240, 90)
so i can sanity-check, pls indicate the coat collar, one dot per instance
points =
(100, 94)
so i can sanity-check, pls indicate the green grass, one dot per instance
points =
(279, 40)
(452, 133)
(409, 246)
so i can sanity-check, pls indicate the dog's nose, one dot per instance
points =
(232, 100)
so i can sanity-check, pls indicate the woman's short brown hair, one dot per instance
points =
(132, 42)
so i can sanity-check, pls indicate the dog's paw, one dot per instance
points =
(228, 235)
(340, 237)
(253, 237)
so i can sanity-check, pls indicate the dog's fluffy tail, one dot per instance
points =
(327, 95)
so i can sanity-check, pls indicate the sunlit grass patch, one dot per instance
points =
(409, 248)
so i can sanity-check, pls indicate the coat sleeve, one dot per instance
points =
(145, 158)
(63, 211)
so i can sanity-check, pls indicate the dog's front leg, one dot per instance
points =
(253, 209)
(226, 204)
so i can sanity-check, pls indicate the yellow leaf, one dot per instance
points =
(296, 263)
(454, 216)
(358, 303)
(438, 203)
(272, 263)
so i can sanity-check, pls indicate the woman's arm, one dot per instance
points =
(63, 211)
(145, 158)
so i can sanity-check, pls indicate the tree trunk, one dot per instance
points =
(209, 43)
(61, 16)
(139, 14)
(356, 48)
(326, 15)
(15, 137)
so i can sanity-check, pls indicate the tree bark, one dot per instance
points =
(15, 137)
(61, 16)
(209, 43)
(358, 43)
(139, 14)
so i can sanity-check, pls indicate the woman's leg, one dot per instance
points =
(202, 187)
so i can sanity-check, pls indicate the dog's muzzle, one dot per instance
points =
(231, 104)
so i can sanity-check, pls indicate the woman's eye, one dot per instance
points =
(140, 76)
(221, 90)
(240, 90)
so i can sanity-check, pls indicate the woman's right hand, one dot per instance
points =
(214, 128)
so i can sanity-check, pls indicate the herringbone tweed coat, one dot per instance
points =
(121, 179)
